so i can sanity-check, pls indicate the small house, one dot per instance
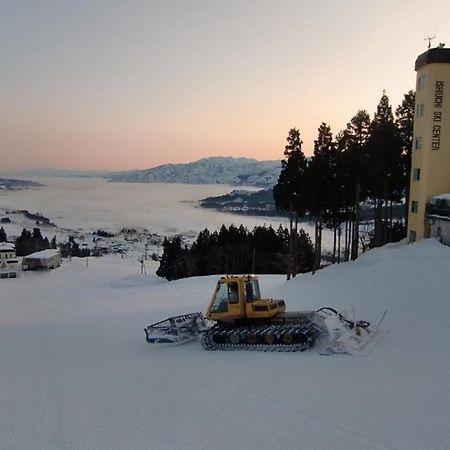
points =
(45, 259)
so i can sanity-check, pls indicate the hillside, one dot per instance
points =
(216, 170)
(78, 374)
(9, 184)
(260, 203)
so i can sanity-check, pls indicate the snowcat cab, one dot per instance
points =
(237, 298)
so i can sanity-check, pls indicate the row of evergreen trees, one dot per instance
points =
(369, 160)
(236, 250)
(29, 242)
(33, 241)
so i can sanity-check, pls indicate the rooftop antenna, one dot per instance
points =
(429, 37)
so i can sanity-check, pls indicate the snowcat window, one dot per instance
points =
(256, 294)
(251, 291)
(248, 291)
(220, 303)
(233, 292)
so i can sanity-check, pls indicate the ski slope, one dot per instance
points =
(76, 372)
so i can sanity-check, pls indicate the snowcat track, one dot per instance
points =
(281, 337)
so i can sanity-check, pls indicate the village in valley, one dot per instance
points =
(140, 245)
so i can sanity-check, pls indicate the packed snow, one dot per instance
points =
(77, 373)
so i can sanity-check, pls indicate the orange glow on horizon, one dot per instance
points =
(132, 86)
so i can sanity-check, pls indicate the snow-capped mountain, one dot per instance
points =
(215, 170)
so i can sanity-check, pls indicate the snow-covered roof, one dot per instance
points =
(439, 217)
(49, 253)
(442, 197)
(7, 247)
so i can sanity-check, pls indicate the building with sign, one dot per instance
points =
(430, 169)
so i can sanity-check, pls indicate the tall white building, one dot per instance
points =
(430, 171)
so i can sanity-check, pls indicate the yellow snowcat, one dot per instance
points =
(238, 318)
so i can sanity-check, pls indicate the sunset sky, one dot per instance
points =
(133, 84)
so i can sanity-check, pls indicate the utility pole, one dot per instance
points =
(143, 268)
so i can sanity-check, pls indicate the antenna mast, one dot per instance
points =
(429, 38)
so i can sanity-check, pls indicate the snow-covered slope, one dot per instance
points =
(215, 170)
(76, 372)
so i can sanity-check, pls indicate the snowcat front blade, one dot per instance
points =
(350, 336)
(176, 329)
(357, 343)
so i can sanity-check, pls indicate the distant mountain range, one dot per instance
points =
(55, 172)
(215, 170)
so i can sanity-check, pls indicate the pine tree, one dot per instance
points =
(305, 252)
(321, 177)
(171, 261)
(3, 236)
(24, 243)
(201, 249)
(290, 191)
(268, 251)
(356, 162)
(405, 124)
(350, 188)
(385, 163)
(343, 194)
(39, 242)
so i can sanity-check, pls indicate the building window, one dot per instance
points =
(421, 82)
(412, 236)
(418, 143)
(416, 174)
(414, 206)
(420, 110)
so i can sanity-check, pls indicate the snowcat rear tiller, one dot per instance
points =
(176, 329)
